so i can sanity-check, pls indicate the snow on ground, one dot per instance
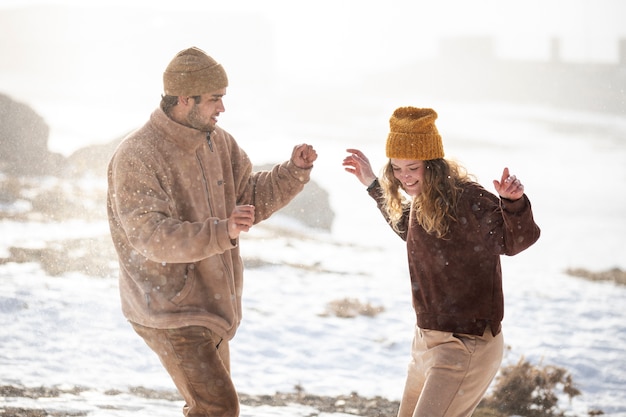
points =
(68, 331)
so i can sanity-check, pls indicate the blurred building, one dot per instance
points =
(468, 68)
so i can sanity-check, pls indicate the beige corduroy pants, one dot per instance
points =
(449, 373)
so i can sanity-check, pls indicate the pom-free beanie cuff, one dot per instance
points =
(413, 135)
(192, 73)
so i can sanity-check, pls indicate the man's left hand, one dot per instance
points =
(303, 156)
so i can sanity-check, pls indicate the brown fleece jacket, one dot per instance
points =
(457, 281)
(170, 192)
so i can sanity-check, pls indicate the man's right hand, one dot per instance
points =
(241, 220)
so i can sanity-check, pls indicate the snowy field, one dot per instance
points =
(68, 331)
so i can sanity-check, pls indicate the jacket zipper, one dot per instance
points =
(208, 139)
(208, 193)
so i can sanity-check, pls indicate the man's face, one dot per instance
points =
(203, 115)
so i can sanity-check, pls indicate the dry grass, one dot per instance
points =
(350, 308)
(527, 390)
(615, 275)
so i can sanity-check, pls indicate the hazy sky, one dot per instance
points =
(318, 43)
(332, 35)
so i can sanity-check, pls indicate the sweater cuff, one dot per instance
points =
(373, 185)
(514, 206)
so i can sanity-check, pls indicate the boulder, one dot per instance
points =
(24, 141)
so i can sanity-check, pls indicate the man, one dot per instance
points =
(180, 192)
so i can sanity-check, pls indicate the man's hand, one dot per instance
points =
(303, 156)
(241, 220)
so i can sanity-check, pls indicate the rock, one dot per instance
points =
(92, 159)
(24, 141)
(311, 207)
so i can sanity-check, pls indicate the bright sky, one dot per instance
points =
(372, 31)
(337, 39)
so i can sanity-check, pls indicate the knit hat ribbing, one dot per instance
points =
(413, 135)
(192, 73)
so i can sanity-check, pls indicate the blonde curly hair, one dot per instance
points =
(435, 208)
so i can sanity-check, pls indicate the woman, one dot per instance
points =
(455, 232)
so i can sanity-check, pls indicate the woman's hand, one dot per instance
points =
(509, 186)
(357, 163)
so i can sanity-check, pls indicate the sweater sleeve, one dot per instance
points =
(519, 228)
(502, 226)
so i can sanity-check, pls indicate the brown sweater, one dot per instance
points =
(170, 193)
(457, 281)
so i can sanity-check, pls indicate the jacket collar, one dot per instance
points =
(187, 138)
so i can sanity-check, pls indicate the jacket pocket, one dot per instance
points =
(188, 285)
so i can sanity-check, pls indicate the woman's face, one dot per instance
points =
(410, 172)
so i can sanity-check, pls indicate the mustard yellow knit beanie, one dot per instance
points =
(413, 135)
(192, 73)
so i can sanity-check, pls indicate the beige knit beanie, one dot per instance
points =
(192, 73)
(413, 135)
